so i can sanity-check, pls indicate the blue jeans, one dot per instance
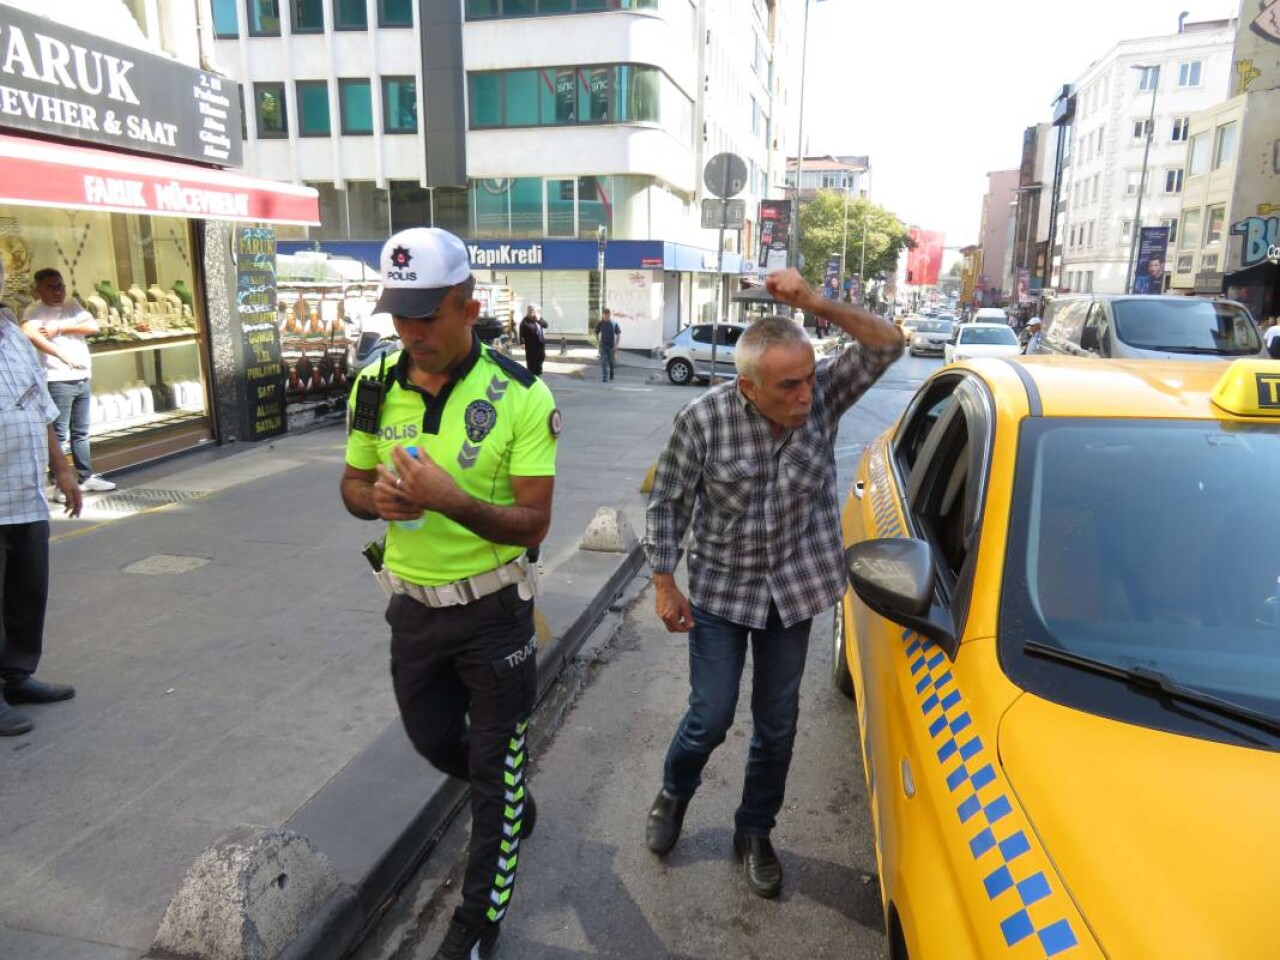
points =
(71, 397)
(606, 363)
(717, 654)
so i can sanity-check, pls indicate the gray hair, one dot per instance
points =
(774, 331)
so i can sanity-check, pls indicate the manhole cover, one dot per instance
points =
(142, 498)
(164, 563)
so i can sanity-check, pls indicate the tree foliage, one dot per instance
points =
(823, 225)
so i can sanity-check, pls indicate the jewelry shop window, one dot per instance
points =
(135, 275)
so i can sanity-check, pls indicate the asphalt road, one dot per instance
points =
(587, 885)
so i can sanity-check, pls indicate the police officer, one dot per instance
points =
(463, 512)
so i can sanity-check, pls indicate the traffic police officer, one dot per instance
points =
(455, 445)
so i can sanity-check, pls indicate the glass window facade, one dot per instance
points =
(350, 15)
(355, 97)
(137, 276)
(395, 13)
(560, 96)
(313, 108)
(534, 207)
(399, 105)
(307, 15)
(368, 211)
(264, 18)
(226, 22)
(269, 110)
(492, 9)
(410, 205)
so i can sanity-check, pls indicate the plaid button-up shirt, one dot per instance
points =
(764, 509)
(26, 411)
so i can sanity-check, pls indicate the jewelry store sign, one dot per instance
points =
(61, 82)
(264, 376)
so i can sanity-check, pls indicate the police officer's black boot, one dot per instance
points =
(468, 943)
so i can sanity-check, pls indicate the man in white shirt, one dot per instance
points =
(57, 328)
(1033, 340)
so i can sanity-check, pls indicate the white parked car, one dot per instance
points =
(982, 340)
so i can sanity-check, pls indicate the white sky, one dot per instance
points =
(938, 92)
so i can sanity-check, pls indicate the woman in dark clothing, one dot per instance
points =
(534, 341)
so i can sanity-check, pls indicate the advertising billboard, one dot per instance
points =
(831, 279)
(1149, 275)
(924, 261)
(775, 234)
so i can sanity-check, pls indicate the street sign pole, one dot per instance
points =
(715, 317)
(724, 176)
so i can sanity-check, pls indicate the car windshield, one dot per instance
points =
(1186, 326)
(988, 335)
(1152, 544)
(933, 326)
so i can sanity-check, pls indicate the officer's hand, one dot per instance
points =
(672, 606)
(389, 499)
(424, 482)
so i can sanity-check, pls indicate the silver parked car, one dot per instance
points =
(1149, 327)
(687, 356)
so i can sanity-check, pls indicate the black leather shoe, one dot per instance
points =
(666, 817)
(31, 690)
(760, 863)
(530, 818)
(12, 722)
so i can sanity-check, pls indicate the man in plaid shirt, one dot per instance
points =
(751, 466)
(28, 446)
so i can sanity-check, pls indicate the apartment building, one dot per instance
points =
(1150, 86)
(547, 133)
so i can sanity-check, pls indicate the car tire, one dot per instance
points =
(840, 678)
(680, 372)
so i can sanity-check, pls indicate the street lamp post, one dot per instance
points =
(1142, 181)
(795, 226)
(862, 266)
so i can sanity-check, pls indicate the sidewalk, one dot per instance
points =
(230, 657)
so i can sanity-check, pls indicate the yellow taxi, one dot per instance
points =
(1063, 638)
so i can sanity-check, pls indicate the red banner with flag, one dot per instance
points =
(924, 261)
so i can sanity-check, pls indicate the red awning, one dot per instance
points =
(43, 174)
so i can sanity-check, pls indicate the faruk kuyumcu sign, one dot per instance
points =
(62, 82)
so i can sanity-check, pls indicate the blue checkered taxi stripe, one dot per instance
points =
(1012, 877)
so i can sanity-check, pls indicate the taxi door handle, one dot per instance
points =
(859, 488)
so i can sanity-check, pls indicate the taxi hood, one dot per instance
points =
(1169, 845)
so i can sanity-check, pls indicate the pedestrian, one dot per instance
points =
(751, 464)
(534, 340)
(30, 447)
(610, 337)
(58, 327)
(1033, 336)
(465, 511)
(1271, 337)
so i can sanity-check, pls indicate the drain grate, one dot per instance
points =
(142, 498)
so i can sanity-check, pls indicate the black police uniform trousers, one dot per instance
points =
(465, 678)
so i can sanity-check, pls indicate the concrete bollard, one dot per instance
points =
(609, 532)
(251, 897)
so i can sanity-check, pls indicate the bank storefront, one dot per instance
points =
(143, 243)
(653, 287)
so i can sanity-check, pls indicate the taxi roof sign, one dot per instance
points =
(1249, 388)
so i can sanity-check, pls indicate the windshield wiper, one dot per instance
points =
(1154, 681)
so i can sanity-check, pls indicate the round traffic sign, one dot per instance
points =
(725, 175)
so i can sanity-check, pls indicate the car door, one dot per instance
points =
(700, 347)
(928, 482)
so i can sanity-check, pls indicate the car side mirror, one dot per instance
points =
(1089, 339)
(894, 577)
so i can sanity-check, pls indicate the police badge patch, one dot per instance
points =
(480, 418)
(555, 423)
